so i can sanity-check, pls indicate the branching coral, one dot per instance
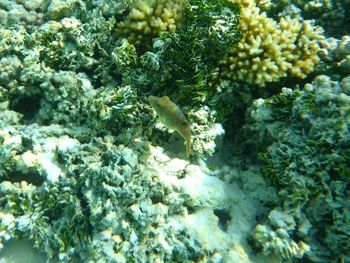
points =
(148, 18)
(271, 50)
(332, 15)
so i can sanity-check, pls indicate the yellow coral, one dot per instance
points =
(270, 50)
(148, 18)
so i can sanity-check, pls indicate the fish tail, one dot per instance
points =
(188, 147)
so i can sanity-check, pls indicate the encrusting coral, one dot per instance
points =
(271, 50)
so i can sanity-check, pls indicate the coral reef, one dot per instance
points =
(303, 139)
(74, 136)
(112, 201)
(88, 174)
(271, 50)
(90, 195)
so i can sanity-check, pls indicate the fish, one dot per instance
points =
(173, 118)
